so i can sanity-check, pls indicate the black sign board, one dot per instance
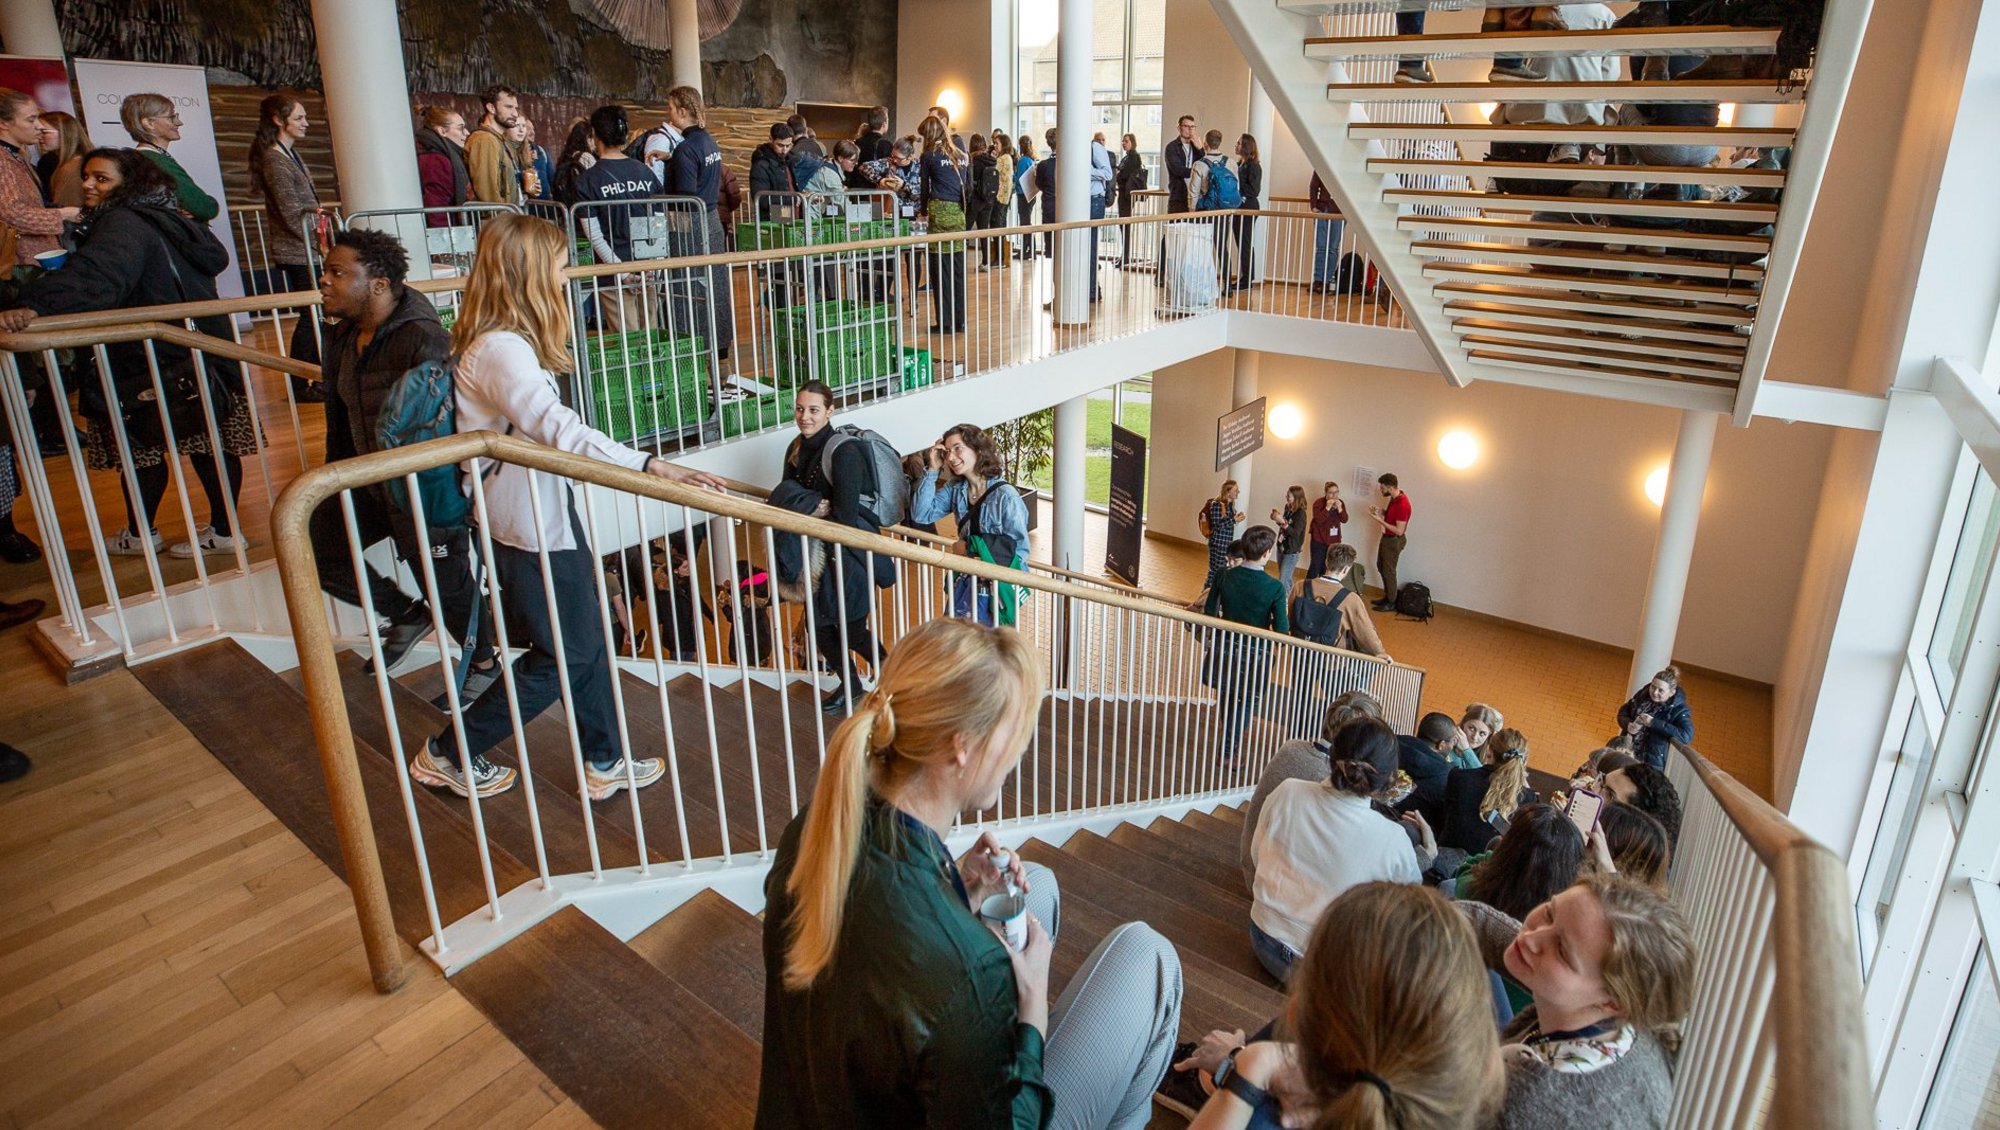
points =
(1239, 433)
(1127, 505)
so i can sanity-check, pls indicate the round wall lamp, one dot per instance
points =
(953, 103)
(1656, 485)
(1286, 421)
(1458, 450)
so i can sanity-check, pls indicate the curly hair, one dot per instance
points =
(985, 456)
(381, 254)
(1656, 796)
(1537, 858)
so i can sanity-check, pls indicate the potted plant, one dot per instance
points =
(1027, 447)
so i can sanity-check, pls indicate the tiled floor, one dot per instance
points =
(1561, 692)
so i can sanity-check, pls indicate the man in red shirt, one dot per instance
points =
(1394, 518)
(1329, 513)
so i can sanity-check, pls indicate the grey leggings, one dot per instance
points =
(1112, 1031)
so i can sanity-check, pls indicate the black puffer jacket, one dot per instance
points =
(1670, 722)
(357, 380)
(136, 253)
(769, 171)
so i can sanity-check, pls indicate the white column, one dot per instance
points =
(368, 104)
(1073, 267)
(1263, 117)
(684, 42)
(28, 27)
(1072, 421)
(1680, 514)
(1243, 392)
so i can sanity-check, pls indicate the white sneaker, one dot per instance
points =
(128, 544)
(431, 770)
(602, 783)
(211, 543)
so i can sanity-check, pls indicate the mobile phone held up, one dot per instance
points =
(1582, 809)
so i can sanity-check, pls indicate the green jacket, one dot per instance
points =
(915, 1023)
(1249, 595)
(192, 199)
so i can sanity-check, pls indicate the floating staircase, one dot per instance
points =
(672, 1020)
(1648, 282)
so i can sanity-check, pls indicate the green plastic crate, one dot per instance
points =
(766, 235)
(646, 382)
(917, 371)
(845, 341)
(754, 414)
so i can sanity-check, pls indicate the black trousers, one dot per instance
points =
(376, 518)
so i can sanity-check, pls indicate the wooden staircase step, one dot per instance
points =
(1198, 864)
(1505, 227)
(715, 950)
(1228, 814)
(1475, 132)
(258, 727)
(506, 816)
(1613, 174)
(1226, 944)
(1229, 834)
(1604, 356)
(1514, 360)
(1714, 210)
(1697, 40)
(1585, 258)
(1558, 300)
(1652, 328)
(627, 1042)
(1741, 294)
(1663, 91)
(1348, 7)
(1500, 331)
(1160, 876)
(1199, 843)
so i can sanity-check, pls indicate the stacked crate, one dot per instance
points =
(841, 342)
(646, 383)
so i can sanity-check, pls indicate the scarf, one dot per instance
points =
(430, 141)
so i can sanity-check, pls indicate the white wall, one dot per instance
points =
(1551, 528)
(962, 45)
(1205, 75)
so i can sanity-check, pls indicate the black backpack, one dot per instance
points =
(1319, 620)
(1351, 276)
(1413, 600)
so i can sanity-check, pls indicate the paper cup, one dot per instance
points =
(1010, 913)
(52, 260)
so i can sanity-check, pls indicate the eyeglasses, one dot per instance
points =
(172, 116)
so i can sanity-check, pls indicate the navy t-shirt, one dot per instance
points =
(616, 178)
(695, 169)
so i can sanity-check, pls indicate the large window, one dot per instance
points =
(1128, 51)
(1969, 565)
(1130, 406)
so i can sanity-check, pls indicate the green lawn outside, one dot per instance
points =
(1097, 433)
(1096, 479)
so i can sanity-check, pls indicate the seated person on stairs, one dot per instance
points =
(1302, 761)
(1478, 803)
(889, 1002)
(1425, 758)
(1314, 840)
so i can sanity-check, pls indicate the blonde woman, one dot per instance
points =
(1476, 726)
(887, 1001)
(63, 143)
(511, 339)
(154, 124)
(1479, 802)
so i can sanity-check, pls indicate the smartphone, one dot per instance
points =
(1583, 809)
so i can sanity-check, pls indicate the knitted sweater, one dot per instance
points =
(21, 208)
(193, 200)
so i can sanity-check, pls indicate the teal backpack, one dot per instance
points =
(421, 405)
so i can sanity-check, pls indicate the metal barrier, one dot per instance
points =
(440, 240)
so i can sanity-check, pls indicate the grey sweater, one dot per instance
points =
(1293, 761)
(1636, 1090)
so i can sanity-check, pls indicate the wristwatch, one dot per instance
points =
(1226, 1079)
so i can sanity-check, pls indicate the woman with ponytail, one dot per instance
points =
(1390, 1024)
(1610, 965)
(1316, 839)
(888, 1002)
(1479, 803)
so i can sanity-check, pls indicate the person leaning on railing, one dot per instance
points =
(887, 1001)
(381, 330)
(136, 247)
(510, 339)
(992, 519)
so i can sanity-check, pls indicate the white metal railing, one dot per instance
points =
(1775, 1033)
(1146, 704)
(847, 312)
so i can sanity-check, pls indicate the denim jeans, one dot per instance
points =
(1276, 957)
(1287, 564)
(1326, 250)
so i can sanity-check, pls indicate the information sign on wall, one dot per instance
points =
(1239, 433)
(1127, 505)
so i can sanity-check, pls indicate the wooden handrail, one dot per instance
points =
(38, 338)
(1822, 1063)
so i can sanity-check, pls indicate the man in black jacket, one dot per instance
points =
(1178, 159)
(1423, 756)
(771, 164)
(384, 330)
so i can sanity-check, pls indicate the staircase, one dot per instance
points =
(1650, 282)
(672, 1019)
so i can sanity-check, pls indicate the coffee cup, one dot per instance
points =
(1010, 914)
(52, 260)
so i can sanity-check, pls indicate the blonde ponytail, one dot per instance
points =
(945, 680)
(1510, 775)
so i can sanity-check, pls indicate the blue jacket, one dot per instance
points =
(1001, 512)
(1671, 723)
